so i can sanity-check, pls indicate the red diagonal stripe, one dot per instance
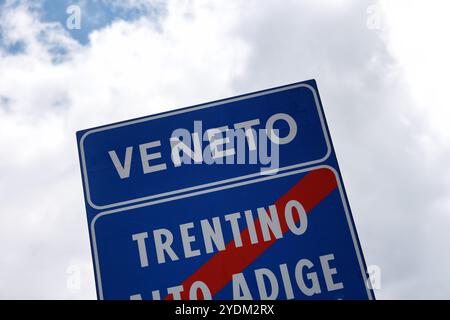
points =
(218, 270)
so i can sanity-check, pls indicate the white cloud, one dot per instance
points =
(392, 149)
(417, 34)
(128, 70)
(414, 34)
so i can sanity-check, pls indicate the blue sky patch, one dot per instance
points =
(95, 14)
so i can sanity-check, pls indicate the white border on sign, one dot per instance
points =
(169, 193)
(183, 196)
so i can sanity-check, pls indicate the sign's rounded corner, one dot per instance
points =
(93, 205)
(96, 217)
(330, 168)
(310, 87)
(83, 138)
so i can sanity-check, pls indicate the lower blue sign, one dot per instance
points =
(288, 236)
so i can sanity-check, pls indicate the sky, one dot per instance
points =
(381, 68)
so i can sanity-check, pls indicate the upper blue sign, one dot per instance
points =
(135, 160)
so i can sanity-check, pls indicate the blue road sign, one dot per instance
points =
(240, 198)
